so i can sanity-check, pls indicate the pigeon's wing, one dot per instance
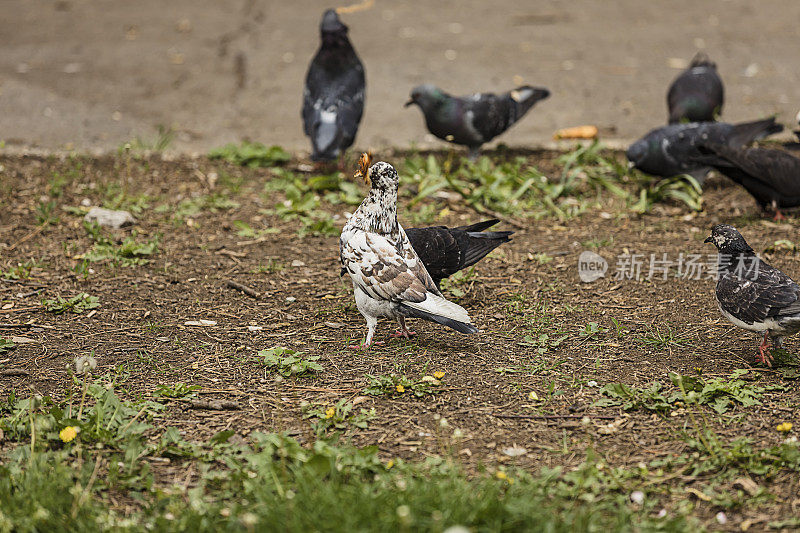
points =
(351, 103)
(758, 292)
(386, 270)
(776, 168)
(438, 248)
(487, 114)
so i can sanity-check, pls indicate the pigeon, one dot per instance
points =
(671, 150)
(771, 176)
(389, 279)
(696, 95)
(444, 251)
(333, 99)
(752, 294)
(473, 120)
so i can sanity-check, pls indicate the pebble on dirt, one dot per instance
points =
(109, 218)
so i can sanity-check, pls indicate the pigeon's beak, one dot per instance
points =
(410, 102)
(708, 240)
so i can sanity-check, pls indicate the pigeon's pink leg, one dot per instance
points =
(403, 332)
(764, 356)
(778, 216)
(370, 332)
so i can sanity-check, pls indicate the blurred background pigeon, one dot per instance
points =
(753, 294)
(696, 95)
(771, 176)
(671, 150)
(333, 99)
(473, 120)
(389, 279)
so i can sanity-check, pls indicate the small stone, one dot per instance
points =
(109, 218)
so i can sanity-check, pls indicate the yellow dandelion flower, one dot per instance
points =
(438, 375)
(401, 389)
(329, 412)
(68, 433)
(501, 475)
(390, 464)
(786, 427)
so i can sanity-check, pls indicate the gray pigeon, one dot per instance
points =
(389, 279)
(772, 177)
(752, 294)
(697, 94)
(473, 120)
(672, 150)
(333, 99)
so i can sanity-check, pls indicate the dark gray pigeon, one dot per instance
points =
(473, 120)
(444, 251)
(671, 150)
(752, 294)
(333, 99)
(696, 95)
(772, 177)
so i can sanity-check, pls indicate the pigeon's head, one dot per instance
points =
(426, 96)
(333, 31)
(383, 177)
(637, 153)
(701, 59)
(728, 240)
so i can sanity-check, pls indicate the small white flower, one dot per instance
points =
(85, 364)
(721, 518)
(662, 513)
(637, 497)
(592, 384)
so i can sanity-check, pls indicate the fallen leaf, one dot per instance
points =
(699, 495)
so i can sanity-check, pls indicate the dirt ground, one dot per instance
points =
(92, 75)
(140, 330)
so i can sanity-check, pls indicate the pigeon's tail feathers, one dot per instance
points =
(478, 226)
(747, 132)
(461, 327)
(325, 137)
(526, 97)
(440, 310)
(483, 242)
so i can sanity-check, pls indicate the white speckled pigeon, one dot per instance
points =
(473, 120)
(389, 280)
(752, 294)
(697, 94)
(671, 150)
(333, 99)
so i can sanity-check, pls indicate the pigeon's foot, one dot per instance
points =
(764, 356)
(778, 216)
(363, 346)
(406, 334)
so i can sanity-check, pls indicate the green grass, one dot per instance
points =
(76, 304)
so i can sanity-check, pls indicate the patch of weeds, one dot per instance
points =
(781, 245)
(77, 304)
(337, 417)
(591, 330)
(721, 394)
(45, 213)
(243, 229)
(663, 338)
(394, 384)
(129, 252)
(6, 345)
(288, 362)
(684, 189)
(191, 207)
(251, 154)
(176, 390)
(454, 283)
(21, 271)
(542, 342)
(162, 140)
(541, 258)
(597, 243)
(302, 203)
(271, 266)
